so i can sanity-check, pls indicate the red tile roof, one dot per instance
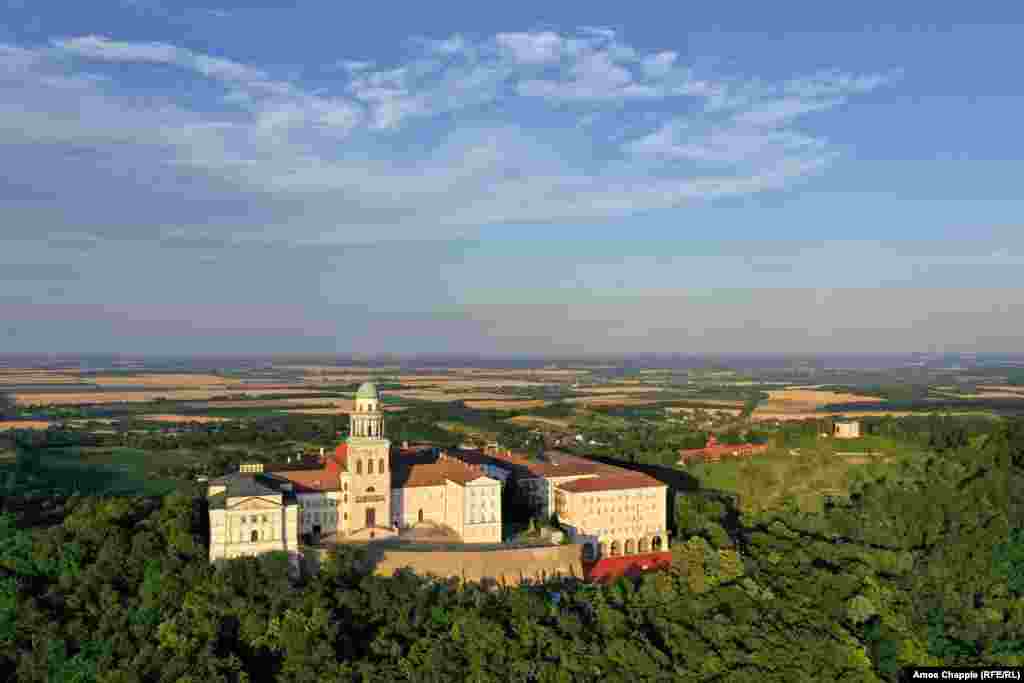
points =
(311, 481)
(610, 568)
(413, 474)
(338, 461)
(714, 451)
(611, 482)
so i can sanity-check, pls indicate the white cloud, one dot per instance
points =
(490, 129)
(531, 48)
(103, 48)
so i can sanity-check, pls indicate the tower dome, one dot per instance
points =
(367, 390)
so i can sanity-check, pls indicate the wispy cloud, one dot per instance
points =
(525, 126)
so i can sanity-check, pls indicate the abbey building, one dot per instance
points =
(361, 492)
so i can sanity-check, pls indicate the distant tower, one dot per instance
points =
(368, 464)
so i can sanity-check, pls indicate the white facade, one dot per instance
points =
(252, 525)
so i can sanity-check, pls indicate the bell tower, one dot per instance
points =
(368, 464)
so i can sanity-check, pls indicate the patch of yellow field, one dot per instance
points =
(183, 418)
(499, 404)
(441, 396)
(1002, 392)
(710, 411)
(801, 400)
(535, 419)
(620, 389)
(417, 381)
(98, 397)
(703, 402)
(763, 416)
(14, 376)
(344, 404)
(24, 424)
(164, 380)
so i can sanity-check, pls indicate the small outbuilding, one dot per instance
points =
(846, 429)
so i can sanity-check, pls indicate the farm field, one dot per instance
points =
(101, 396)
(441, 396)
(561, 423)
(203, 419)
(799, 400)
(613, 400)
(24, 424)
(620, 389)
(505, 404)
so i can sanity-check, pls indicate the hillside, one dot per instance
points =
(923, 566)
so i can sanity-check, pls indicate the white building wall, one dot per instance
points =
(482, 512)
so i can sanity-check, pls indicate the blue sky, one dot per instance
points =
(539, 177)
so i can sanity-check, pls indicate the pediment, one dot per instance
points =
(484, 480)
(253, 504)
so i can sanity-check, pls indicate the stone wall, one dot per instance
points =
(502, 567)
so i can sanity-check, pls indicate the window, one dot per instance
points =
(255, 536)
(369, 466)
(370, 489)
(359, 466)
(264, 519)
(380, 466)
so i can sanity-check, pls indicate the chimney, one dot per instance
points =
(321, 452)
(405, 445)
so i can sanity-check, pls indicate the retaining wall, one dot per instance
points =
(503, 567)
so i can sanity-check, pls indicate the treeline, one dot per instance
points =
(926, 567)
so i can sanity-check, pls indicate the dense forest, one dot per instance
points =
(923, 567)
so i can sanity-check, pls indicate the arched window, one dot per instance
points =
(369, 466)
(381, 468)
(255, 536)
(370, 489)
(421, 515)
(359, 466)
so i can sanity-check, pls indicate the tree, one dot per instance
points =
(8, 408)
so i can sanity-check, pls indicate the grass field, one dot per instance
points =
(462, 428)
(182, 418)
(613, 400)
(808, 471)
(94, 471)
(561, 423)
